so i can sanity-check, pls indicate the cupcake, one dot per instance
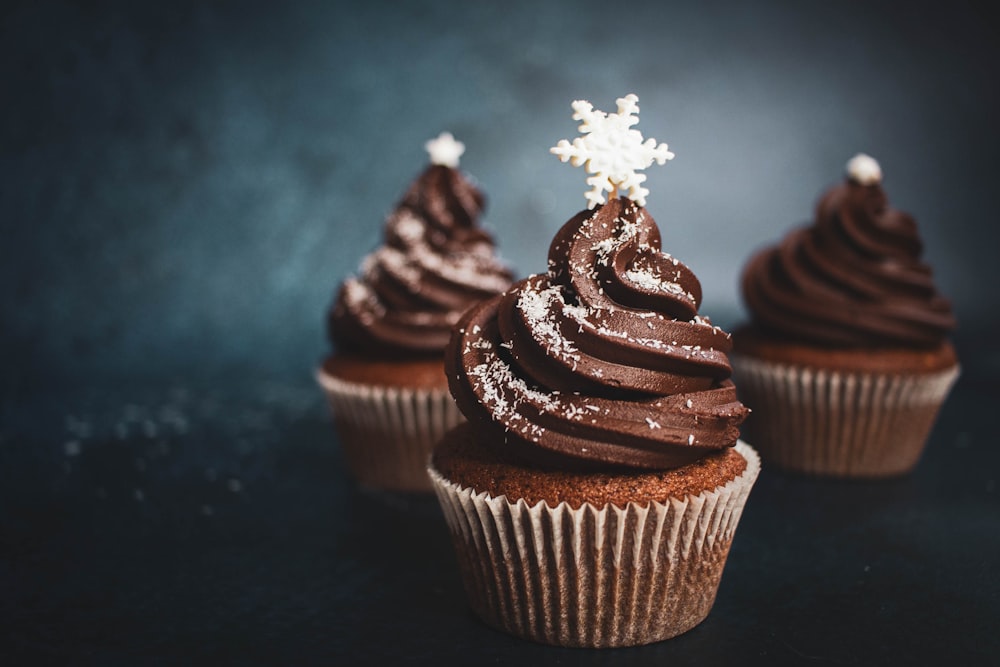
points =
(845, 360)
(593, 493)
(389, 324)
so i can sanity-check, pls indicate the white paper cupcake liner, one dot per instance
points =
(594, 577)
(846, 424)
(387, 433)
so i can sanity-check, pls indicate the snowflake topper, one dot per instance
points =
(445, 150)
(611, 150)
(864, 170)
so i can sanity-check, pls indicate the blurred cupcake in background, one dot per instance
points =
(845, 361)
(388, 325)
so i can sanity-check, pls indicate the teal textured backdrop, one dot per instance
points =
(186, 183)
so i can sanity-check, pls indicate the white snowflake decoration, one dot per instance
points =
(864, 169)
(445, 150)
(612, 151)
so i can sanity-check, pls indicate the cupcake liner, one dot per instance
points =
(594, 577)
(388, 432)
(846, 424)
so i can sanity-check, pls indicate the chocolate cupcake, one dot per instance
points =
(593, 494)
(389, 325)
(846, 358)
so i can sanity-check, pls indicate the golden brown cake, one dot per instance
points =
(472, 460)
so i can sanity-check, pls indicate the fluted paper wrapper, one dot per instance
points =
(387, 433)
(594, 577)
(844, 424)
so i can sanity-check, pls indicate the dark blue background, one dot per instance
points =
(186, 183)
(183, 185)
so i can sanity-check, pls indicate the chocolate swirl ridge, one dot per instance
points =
(590, 363)
(854, 278)
(434, 262)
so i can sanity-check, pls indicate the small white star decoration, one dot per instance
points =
(445, 150)
(864, 169)
(611, 150)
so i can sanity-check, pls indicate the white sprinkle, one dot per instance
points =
(534, 305)
(690, 403)
(864, 169)
(652, 424)
(645, 278)
(691, 439)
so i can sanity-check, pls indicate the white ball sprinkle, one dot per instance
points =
(864, 169)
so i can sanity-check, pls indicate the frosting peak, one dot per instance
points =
(435, 261)
(853, 278)
(603, 359)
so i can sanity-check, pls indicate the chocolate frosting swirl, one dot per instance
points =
(435, 261)
(853, 278)
(602, 360)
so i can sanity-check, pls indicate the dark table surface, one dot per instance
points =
(180, 520)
